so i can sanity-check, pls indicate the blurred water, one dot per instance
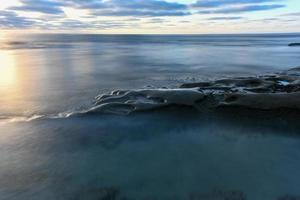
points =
(38, 72)
(169, 154)
(177, 154)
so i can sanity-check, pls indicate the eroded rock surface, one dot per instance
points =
(269, 92)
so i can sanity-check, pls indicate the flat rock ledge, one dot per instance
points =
(268, 92)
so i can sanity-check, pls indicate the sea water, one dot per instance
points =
(174, 153)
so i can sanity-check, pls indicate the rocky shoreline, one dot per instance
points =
(267, 92)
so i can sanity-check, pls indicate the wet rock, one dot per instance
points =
(265, 92)
(195, 85)
(294, 45)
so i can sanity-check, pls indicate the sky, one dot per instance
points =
(150, 16)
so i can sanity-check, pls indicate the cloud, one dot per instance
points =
(225, 18)
(135, 8)
(132, 4)
(295, 14)
(41, 6)
(274, 20)
(270, 19)
(157, 21)
(243, 9)
(148, 4)
(77, 24)
(9, 19)
(220, 3)
(139, 13)
(140, 8)
(155, 12)
(91, 4)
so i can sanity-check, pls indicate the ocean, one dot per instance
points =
(177, 152)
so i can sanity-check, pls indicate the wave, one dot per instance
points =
(279, 91)
(23, 118)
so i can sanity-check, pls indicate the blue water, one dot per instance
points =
(169, 154)
(45, 69)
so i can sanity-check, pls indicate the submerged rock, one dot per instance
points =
(142, 100)
(108, 193)
(219, 195)
(289, 197)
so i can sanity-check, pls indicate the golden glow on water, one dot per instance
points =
(7, 69)
(15, 82)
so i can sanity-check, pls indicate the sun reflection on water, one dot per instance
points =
(7, 69)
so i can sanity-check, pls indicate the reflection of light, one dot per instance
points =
(7, 69)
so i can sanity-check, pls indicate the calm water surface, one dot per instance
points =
(38, 72)
(171, 154)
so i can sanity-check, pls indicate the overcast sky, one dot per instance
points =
(151, 16)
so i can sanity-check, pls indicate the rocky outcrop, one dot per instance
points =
(269, 92)
(294, 45)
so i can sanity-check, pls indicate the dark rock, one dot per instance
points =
(294, 44)
(194, 85)
(289, 197)
(108, 193)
